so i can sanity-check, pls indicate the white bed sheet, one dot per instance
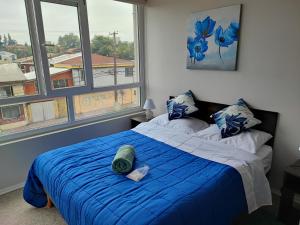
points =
(265, 154)
(250, 166)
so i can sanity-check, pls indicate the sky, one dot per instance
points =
(105, 16)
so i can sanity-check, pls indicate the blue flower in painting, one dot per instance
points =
(233, 31)
(190, 42)
(197, 47)
(205, 28)
(225, 38)
(221, 39)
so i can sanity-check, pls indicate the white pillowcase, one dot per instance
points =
(249, 141)
(211, 133)
(186, 125)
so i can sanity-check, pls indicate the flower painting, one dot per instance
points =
(213, 37)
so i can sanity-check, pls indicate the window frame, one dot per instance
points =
(45, 90)
(11, 90)
(129, 72)
(5, 118)
(58, 83)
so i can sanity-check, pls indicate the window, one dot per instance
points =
(6, 91)
(81, 74)
(11, 112)
(63, 42)
(60, 83)
(113, 41)
(129, 72)
(33, 116)
(15, 47)
(79, 64)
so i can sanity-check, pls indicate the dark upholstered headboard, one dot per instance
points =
(269, 119)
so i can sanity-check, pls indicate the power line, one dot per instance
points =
(114, 34)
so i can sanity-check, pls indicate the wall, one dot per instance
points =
(104, 76)
(64, 76)
(18, 89)
(104, 101)
(16, 158)
(268, 74)
(30, 87)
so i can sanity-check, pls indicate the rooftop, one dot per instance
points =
(97, 61)
(64, 57)
(11, 72)
(6, 53)
(29, 59)
(75, 60)
(32, 76)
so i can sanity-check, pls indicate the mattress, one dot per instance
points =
(181, 188)
(191, 181)
(250, 166)
(265, 154)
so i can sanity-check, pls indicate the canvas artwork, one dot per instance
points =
(213, 38)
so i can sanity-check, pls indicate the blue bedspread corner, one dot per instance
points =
(33, 192)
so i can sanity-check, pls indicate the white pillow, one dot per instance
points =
(249, 141)
(161, 120)
(186, 125)
(211, 133)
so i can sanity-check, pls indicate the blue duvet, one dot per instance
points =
(179, 189)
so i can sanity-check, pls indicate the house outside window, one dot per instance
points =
(11, 112)
(60, 83)
(39, 79)
(82, 76)
(6, 91)
(129, 72)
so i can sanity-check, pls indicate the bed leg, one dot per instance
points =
(49, 202)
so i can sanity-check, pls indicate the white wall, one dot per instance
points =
(103, 77)
(15, 159)
(268, 74)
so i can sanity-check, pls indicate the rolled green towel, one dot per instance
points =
(123, 160)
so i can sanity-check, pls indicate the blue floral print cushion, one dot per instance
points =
(235, 119)
(181, 106)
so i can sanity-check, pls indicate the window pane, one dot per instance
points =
(17, 76)
(33, 115)
(113, 42)
(95, 104)
(63, 45)
(11, 112)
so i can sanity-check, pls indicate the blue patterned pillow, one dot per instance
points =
(181, 106)
(235, 119)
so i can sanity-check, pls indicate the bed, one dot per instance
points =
(190, 181)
